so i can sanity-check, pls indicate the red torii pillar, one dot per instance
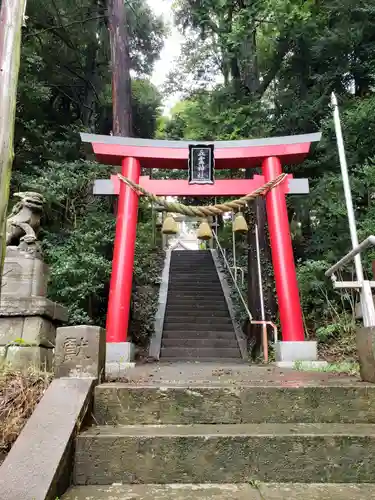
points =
(282, 256)
(120, 289)
(130, 153)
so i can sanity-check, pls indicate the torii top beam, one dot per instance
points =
(111, 150)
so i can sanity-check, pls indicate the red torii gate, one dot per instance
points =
(271, 154)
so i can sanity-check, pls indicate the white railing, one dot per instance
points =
(367, 301)
(264, 323)
(237, 270)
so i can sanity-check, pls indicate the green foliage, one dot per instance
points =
(64, 89)
(267, 68)
(247, 69)
(216, 115)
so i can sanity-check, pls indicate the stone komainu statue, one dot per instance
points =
(24, 222)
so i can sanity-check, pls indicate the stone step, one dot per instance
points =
(203, 271)
(207, 361)
(203, 352)
(196, 294)
(189, 309)
(333, 453)
(186, 327)
(197, 334)
(262, 491)
(188, 273)
(200, 343)
(207, 259)
(193, 278)
(205, 265)
(187, 270)
(178, 275)
(194, 290)
(203, 319)
(194, 284)
(197, 313)
(213, 294)
(193, 303)
(225, 403)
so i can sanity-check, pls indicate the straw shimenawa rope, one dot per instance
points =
(206, 211)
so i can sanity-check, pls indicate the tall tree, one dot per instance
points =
(65, 71)
(11, 20)
(120, 59)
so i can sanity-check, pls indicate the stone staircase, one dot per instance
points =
(197, 324)
(222, 440)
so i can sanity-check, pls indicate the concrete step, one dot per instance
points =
(191, 258)
(262, 491)
(197, 313)
(195, 290)
(204, 266)
(203, 319)
(187, 274)
(202, 334)
(225, 403)
(197, 353)
(214, 311)
(197, 294)
(313, 453)
(201, 343)
(200, 271)
(193, 285)
(193, 303)
(189, 308)
(186, 327)
(178, 276)
(193, 279)
(198, 361)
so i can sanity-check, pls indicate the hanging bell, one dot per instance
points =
(170, 226)
(204, 231)
(240, 224)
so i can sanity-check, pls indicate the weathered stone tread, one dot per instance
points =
(164, 454)
(212, 430)
(221, 402)
(224, 492)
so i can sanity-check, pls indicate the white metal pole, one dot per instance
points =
(261, 296)
(260, 281)
(367, 302)
(234, 249)
(347, 190)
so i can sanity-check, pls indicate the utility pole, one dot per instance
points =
(12, 15)
(120, 59)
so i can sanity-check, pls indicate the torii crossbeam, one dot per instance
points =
(271, 154)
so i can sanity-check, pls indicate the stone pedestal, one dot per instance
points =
(24, 275)
(303, 354)
(28, 320)
(366, 353)
(80, 352)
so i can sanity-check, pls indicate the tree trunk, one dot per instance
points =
(268, 278)
(11, 20)
(250, 63)
(257, 213)
(89, 110)
(120, 59)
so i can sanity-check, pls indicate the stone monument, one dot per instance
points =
(80, 352)
(28, 320)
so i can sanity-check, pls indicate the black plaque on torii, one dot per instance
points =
(201, 163)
